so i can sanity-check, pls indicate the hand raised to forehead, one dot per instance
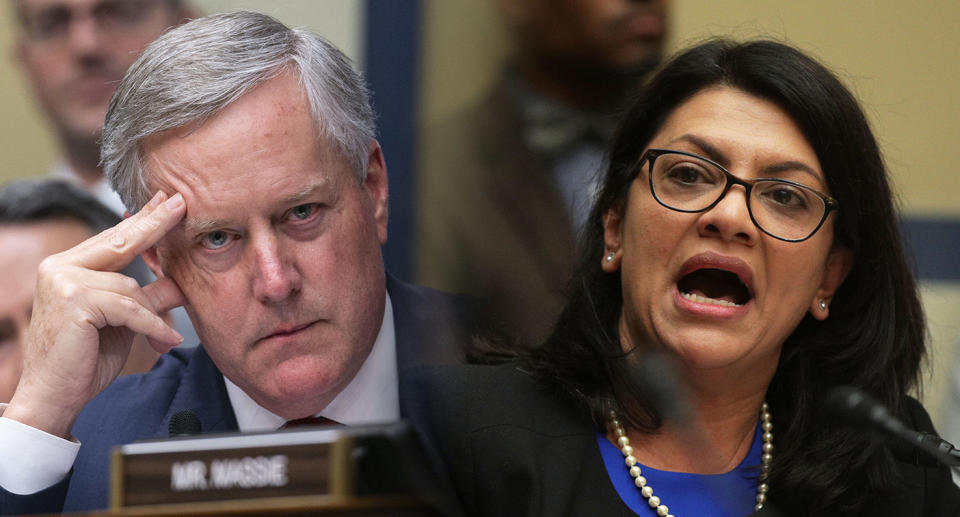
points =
(85, 315)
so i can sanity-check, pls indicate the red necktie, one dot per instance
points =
(310, 421)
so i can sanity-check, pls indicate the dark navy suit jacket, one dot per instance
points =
(431, 328)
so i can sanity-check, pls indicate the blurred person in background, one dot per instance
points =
(73, 54)
(40, 217)
(507, 182)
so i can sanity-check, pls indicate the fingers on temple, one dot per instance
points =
(114, 248)
(164, 294)
(118, 310)
(159, 296)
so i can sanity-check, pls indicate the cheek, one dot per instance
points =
(795, 278)
(9, 356)
(126, 50)
(651, 236)
(646, 253)
(48, 74)
(198, 283)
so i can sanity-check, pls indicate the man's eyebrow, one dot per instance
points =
(307, 192)
(201, 226)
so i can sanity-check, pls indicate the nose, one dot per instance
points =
(275, 275)
(730, 219)
(84, 36)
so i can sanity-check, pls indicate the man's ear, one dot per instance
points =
(839, 263)
(376, 186)
(153, 261)
(612, 235)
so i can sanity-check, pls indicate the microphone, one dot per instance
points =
(655, 376)
(857, 409)
(663, 390)
(184, 423)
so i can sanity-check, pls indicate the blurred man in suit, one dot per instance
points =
(507, 182)
(248, 151)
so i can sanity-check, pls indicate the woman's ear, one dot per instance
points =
(839, 263)
(612, 234)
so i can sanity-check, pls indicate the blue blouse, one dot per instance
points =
(732, 494)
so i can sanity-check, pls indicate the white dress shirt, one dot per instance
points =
(101, 190)
(32, 460)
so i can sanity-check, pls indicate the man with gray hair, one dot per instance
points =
(269, 212)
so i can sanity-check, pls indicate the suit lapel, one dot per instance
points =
(203, 392)
(430, 326)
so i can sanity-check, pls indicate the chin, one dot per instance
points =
(303, 382)
(707, 352)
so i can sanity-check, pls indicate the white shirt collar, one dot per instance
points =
(372, 396)
(100, 190)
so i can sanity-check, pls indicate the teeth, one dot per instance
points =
(704, 299)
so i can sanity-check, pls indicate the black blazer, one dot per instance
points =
(512, 446)
(430, 326)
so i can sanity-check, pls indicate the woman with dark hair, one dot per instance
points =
(745, 239)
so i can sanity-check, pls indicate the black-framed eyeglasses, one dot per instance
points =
(783, 209)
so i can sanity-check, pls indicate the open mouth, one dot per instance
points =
(714, 286)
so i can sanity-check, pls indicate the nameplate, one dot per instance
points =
(283, 464)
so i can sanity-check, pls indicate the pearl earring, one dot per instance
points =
(823, 304)
(610, 257)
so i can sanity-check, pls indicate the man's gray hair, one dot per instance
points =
(194, 71)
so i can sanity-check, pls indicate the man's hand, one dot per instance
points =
(85, 316)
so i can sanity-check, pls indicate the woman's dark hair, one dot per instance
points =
(874, 337)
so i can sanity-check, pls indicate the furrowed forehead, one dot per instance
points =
(321, 189)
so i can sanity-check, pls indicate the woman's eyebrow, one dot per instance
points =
(706, 148)
(711, 151)
(779, 168)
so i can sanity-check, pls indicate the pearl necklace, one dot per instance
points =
(647, 491)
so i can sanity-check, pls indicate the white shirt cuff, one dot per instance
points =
(30, 459)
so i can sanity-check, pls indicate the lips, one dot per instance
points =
(717, 280)
(287, 330)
